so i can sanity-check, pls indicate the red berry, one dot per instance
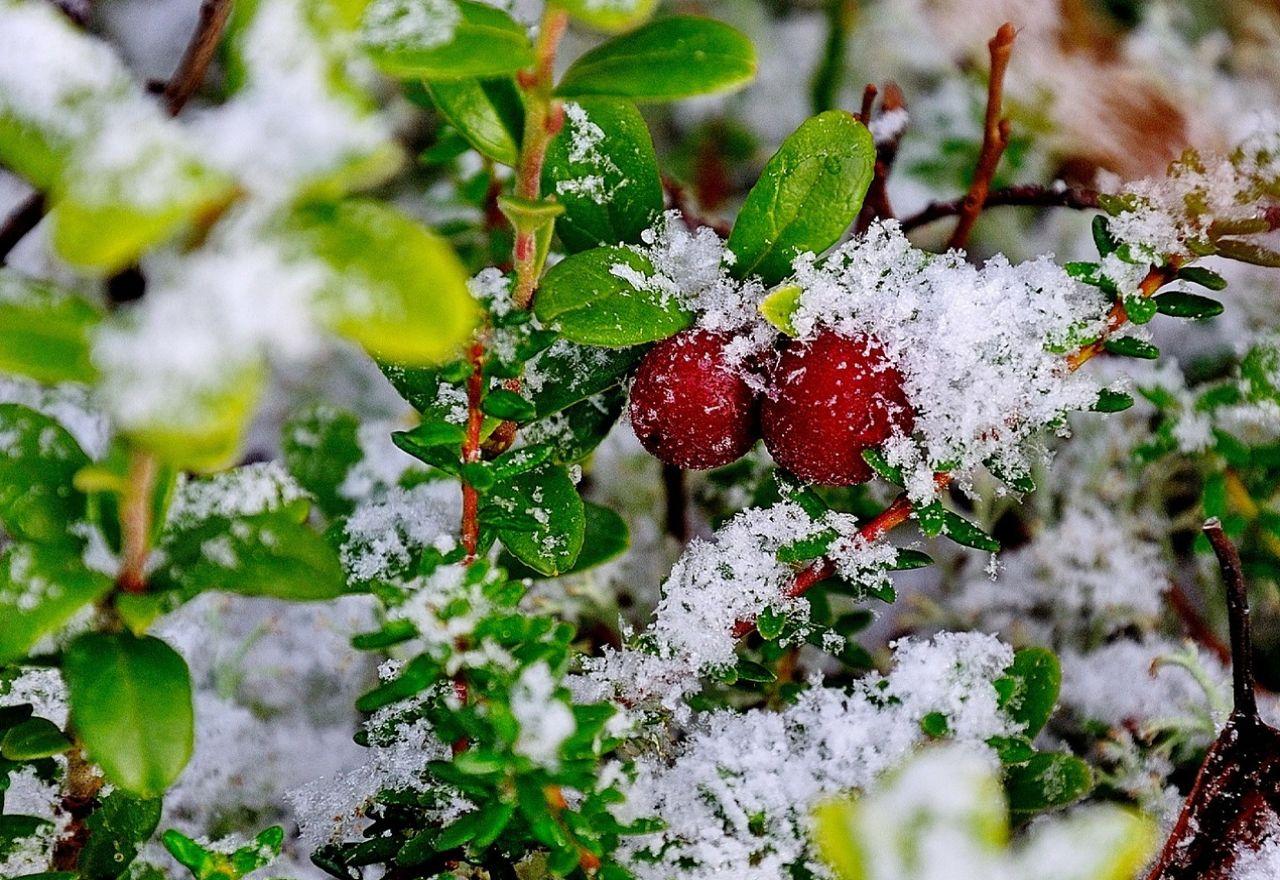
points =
(688, 406)
(831, 398)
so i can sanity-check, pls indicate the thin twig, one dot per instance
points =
(995, 137)
(1027, 194)
(25, 218)
(190, 73)
(868, 101)
(1237, 616)
(1195, 624)
(876, 206)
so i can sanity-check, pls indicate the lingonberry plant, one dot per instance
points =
(329, 549)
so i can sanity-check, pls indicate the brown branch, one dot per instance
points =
(1237, 616)
(868, 100)
(25, 217)
(1197, 628)
(1027, 195)
(876, 205)
(190, 73)
(995, 137)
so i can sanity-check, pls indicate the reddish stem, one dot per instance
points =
(471, 450)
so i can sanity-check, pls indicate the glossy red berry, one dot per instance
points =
(831, 398)
(689, 407)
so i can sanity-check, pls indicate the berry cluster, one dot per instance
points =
(826, 400)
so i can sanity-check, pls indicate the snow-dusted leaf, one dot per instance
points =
(1181, 304)
(589, 297)
(603, 169)
(489, 113)
(44, 332)
(1029, 689)
(549, 504)
(117, 831)
(131, 706)
(274, 553)
(574, 432)
(809, 193)
(399, 289)
(670, 58)
(40, 458)
(567, 373)
(443, 39)
(605, 537)
(320, 447)
(1048, 780)
(41, 588)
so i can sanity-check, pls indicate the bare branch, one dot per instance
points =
(995, 136)
(1022, 195)
(1238, 618)
(23, 219)
(191, 69)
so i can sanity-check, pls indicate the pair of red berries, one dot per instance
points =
(828, 399)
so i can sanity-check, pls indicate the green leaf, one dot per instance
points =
(1204, 277)
(670, 58)
(1131, 346)
(103, 220)
(878, 463)
(482, 42)
(749, 670)
(602, 168)
(1140, 309)
(32, 740)
(41, 588)
(1048, 780)
(592, 305)
(1028, 690)
(131, 707)
(568, 373)
(605, 538)
(778, 307)
(265, 554)
(1112, 401)
(548, 497)
(488, 113)
(808, 195)
(510, 405)
(1102, 238)
(1181, 304)
(770, 623)
(575, 432)
(320, 447)
(117, 830)
(1248, 252)
(935, 725)
(908, 559)
(44, 332)
(960, 530)
(400, 290)
(37, 499)
(610, 17)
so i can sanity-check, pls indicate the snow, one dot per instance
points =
(545, 721)
(382, 534)
(737, 795)
(243, 491)
(409, 24)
